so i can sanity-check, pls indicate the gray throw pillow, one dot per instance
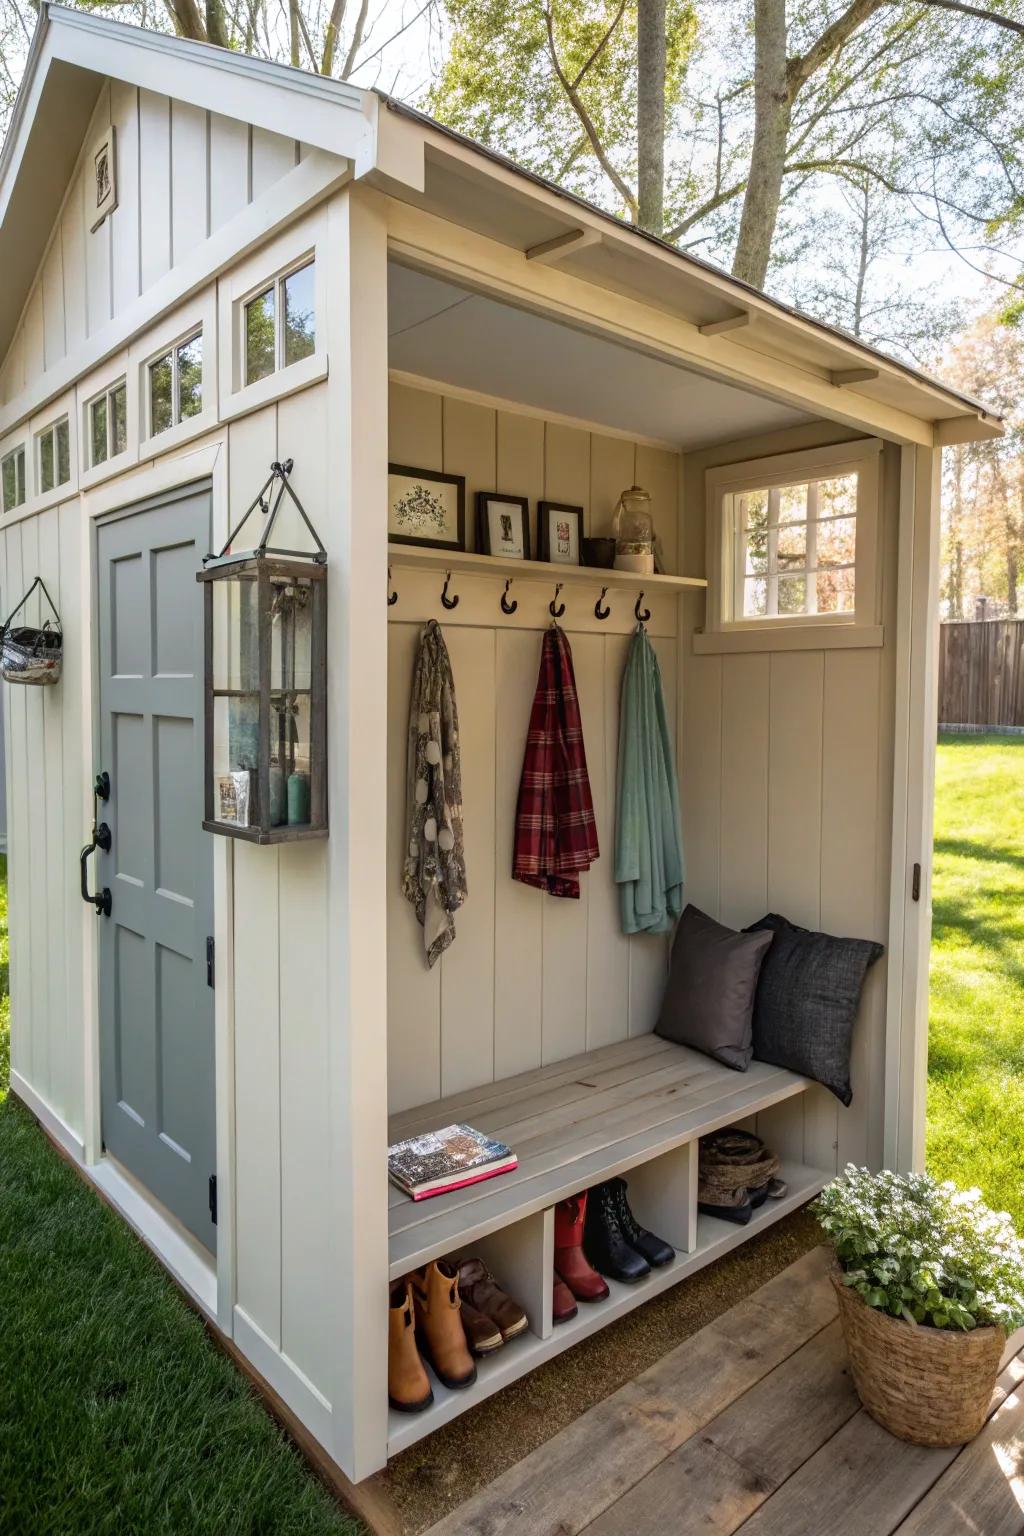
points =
(709, 999)
(807, 1000)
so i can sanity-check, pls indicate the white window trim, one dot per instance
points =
(796, 631)
(61, 488)
(90, 389)
(15, 442)
(303, 242)
(201, 315)
(39, 501)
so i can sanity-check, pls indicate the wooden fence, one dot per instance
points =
(981, 673)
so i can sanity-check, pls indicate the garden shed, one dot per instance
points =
(214, 265)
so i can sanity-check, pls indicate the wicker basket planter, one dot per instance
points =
(930, 1386)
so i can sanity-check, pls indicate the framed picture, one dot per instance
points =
(426, 507)
(559, 532)
(102, 190)
(503, 525)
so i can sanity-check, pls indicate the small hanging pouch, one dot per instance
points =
(29, 655)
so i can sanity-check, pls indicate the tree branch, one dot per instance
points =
(357, 40)
(799, 70)
(981, 12)
(585, 118)
(601, 45)
(331, 34)
(717, 201)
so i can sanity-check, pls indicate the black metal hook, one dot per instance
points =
(599, 612)
(448, 602)
(506, 606)
(392, 596)
(641, 618)
(555, 608)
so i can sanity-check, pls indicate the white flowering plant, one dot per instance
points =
(924, 1251)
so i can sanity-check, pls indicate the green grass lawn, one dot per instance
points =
(976, 1042)
(117, 1414)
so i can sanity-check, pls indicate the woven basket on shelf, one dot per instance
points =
(931, 1386)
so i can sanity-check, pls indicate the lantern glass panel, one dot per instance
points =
(236, 701)
(291, 678)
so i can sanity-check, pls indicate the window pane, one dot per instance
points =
(46, 462)
(838, 497)
(755, 597)
(837, 541)
(63, 452)
(190, 377)
(792, 594)
(119, 419)
(299, 314)
(98, 429)
(757, 554)
(9, 478)
(836, 591)
(259, 337)
(792, 547)
(19, 459)
(792, 503)
(161, 409)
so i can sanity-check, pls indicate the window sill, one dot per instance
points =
(286, 381)
(790, 637)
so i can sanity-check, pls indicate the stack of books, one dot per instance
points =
(448, 1159)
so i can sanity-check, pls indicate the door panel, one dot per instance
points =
(156, 1009)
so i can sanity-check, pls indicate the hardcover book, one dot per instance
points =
(447, 1159)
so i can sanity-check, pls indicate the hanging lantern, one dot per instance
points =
(633, 527)
(265, 621)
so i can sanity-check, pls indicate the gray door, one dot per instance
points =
(156, 1006)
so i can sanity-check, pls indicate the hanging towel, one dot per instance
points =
(649, 867)
(434, 877)
(556, 834)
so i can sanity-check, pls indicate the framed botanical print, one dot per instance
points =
(559, 532)
(503, 525)
(101, 189)
(426, 507)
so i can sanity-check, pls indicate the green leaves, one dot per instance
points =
(924, 1251)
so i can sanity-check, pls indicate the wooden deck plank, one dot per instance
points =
(622, 1439)
(716, 1480)
(983, 1490)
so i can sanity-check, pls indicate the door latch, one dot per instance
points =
(101, 839)
(915, 883)
(210, 972)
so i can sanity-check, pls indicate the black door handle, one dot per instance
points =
(100, 839)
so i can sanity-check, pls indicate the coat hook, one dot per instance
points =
(599, 611)
(506, 606)
(448, 602)
(555, 608)
(641, 618)
(392, 596)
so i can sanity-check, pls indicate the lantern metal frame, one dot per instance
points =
(267, 565)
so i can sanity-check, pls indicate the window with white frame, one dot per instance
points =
(279, 323)
(792, 539)
(53, 456)
(175, 384)
(106, 423)
(12, 478)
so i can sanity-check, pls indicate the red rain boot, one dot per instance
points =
(570, 1265)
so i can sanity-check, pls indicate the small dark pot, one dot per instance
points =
(599, 553)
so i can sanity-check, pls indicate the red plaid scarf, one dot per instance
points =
(556, 835)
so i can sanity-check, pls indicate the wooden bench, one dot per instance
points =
(636, 1108)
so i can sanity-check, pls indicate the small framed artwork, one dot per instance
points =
(426, 507)
(102, 191)
(559, 532)
(503, 525)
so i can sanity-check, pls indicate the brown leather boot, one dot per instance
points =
(439, 1329)
(482, 1335)
(570, 1263)
(408, 1388)
(478, 1287)
(562, 1305)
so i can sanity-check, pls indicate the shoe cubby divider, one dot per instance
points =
(662, 1194)
(521, 1257)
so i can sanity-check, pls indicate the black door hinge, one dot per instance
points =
(915, 884)
(209, 963)
(213, 1198)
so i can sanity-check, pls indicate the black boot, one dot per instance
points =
(654, 1249)
(604, 1241)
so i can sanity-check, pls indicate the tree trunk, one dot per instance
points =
(650, 112)
(772, 111)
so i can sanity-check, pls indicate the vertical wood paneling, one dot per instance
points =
(520, 462)
(19, 857)
(124, 221)
(700, 780)
(567, 465)
(608, 948)
(188, 179)
(794, 798)
(229, 169)
(612, 471)
(34, 335)
(657, 470)
(414, 428)
(649, 953)
(154, 187)
(467, 967)
(37, 829)
(744, 774)
(98, 295)
(252, 447)
(57, 869)
(77, 771)
(272, 158)
(72, 246)
(469, 435)
(54, 346)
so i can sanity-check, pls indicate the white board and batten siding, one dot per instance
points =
(787, 771)
(182, 174)
(530, 979)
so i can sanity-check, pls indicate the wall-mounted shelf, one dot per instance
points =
(414, 557)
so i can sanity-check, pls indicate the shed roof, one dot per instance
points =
(425, 163)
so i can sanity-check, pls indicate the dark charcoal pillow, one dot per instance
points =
(807, 999)
(709, 999)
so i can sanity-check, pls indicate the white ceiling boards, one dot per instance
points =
(445, 333)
